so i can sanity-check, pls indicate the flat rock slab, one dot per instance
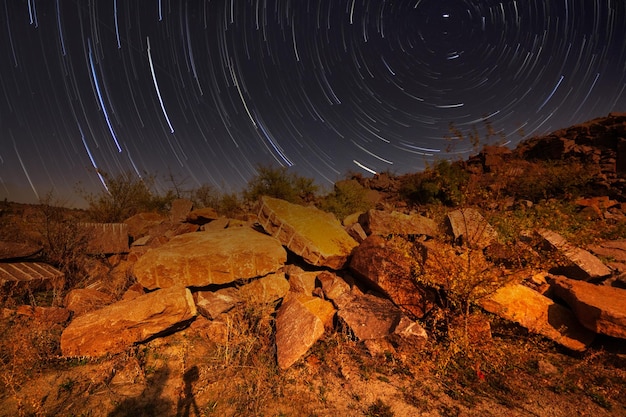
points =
(28, 272)
(379, 222)
(599, 308)
(469, 226)
(300, 322)
(307, 231)
(538, 314)
(586, 265)
(265, 290)
(115, 328)
(205, 258)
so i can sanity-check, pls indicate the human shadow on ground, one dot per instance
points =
(149, 403)
(187, 401)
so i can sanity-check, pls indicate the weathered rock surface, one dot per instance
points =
(379, 222)
(204, 258)
(601, 309)
(180, 209)
(213, 303)
(333, 286)
(538, 314)
(114, 328)
(368, 316)
(307, 231)
(584, 265)
(391, 266)
(265, 290)
(470, 227)
(105, 238)
(301, 281)
(14, 250)
(83, 300)
(140, 224)
(300, 322)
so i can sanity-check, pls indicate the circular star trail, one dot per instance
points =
(205, 91)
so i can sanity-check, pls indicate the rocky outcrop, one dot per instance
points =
(392, 266)
(265, 290)
(469, 227)
(601, 309)
(300, 322)
(205, 258)
(379, 222)
(114, 328)
(538, 314)
(314, 235)
(584, 265)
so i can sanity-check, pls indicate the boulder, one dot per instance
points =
(180, 209)
(333, 286)
(213, 303)
(265, 290)
(300, 322)
(599, 308)
(391, 266)
(114, 328)
(470, 228)
(205, 258)
(140, 224)
(584, 265)
(538, 314)
(307, 231)
(379, 222)
(83, 300)
(301, 281)
(368, 316)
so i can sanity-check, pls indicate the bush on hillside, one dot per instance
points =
(543, 180)
(444, 183)
(126, 195)
(279, 183)
(348, 197)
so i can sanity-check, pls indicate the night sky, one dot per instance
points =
(207, 90)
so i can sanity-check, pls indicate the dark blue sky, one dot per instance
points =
(206, 90)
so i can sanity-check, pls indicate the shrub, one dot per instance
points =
(348, 197)
(279, 183)
(126, 195)
(444, 183)
(551, 179)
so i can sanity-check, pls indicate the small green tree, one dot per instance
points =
(347, 197)
(126, 195)
(279, 183)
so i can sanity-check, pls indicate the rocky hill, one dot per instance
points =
(492, 286)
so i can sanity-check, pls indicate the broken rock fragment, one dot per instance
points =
(205, 258)
(315, 235)
(118, 326)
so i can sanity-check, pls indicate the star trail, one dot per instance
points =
(207, 90)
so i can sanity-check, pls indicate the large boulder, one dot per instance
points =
(538, 314)
(392, 266)
(204, 258)
(114, 328)
(367, 316)
(379, 222)
(265, 290)
(599, 308)
(300, 322)
(307, 231)
(583, 266)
